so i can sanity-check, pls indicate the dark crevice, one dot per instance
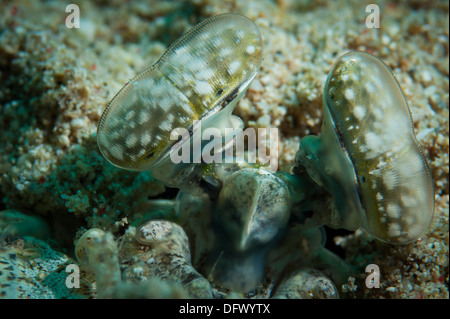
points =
(331, 245)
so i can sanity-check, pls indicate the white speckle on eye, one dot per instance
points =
(146, 138)
(114, 123)
(393, 211)
(107, 142)
(233, 67)
(186, 107)
(410, 221)
(187, 93)
(363, 149)
(158, 137)
(186, 79)
(359, 111)
(166, 102)
(179, 78)
(167, 124)
(347, 118)
(131, 124)
(220, 81)
(381, 164)
(415, 229)
(349, 94)
(370, 87)
(355, 141)
(394, 230)
(373, 141)
(351, 127)
(355, 76)
(415, 166)
(182, 51)
(148, 82)
(132, 157)
(379, 197)
(184, 119)
(337, 101)
(396, 147)
(205, 74)
(130, 115)
(179, 96)
(218, 42)
(141, 152)
(390, 180)
(196, 65)
(143, 117)
(116, 152)
(250, 49)
(409, 201)
(330, 92)
(225, 52)
(131, 140)
(113, 135)
(157, 90)
(205, 36)
(378, 113)
(203, 87)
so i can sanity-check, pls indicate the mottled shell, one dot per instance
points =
(374, 125)
(198, 76)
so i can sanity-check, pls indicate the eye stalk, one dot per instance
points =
(367, 156)
(200, 77)
(253, 206)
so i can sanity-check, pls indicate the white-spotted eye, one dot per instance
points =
(164, 237)
(198, 76)
(373, 123)
(85, 244)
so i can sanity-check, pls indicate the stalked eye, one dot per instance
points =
(199, 75)
(253, 206)
(85, 244)
(153, 231)
(366, 115)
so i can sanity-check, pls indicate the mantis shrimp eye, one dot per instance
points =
(85, 244)
(253, 207)
(369, 154)
(200, 76)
